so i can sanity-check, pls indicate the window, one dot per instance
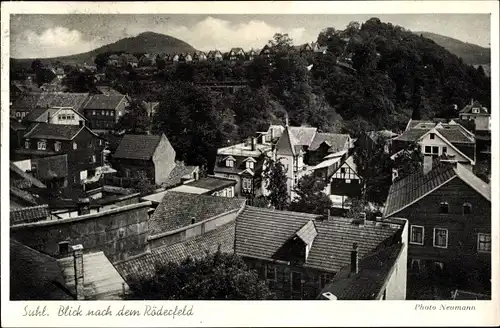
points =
(92, 159)
(229, 163)
(467, 208)
(484, 242)
(230, 192)
(247, 184)
(93, 113)
(440, 238)
(342, 170)
(57, 146)
(103, 112)
(435, 150)
(270, 272)
(347, 180)
(428, 149)
(445, 150)
(75, 146)
(415, 264)
(432, 136)
(417, 235)
(18, 114)
(250, 165)
(443, 207)
(27, 144)
(41, 145)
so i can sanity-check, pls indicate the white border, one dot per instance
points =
(284, 313)
(423, 234)
(434, 238)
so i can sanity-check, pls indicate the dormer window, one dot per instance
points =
(475, 110)
(229, 162)
(250, 165)
(42, 145)
(432, 136)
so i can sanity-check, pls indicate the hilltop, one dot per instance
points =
(470, 53)
(147, 42)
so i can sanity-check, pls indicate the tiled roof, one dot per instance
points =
(180, 170)
(416, 186)
(62, 99)
(144, 266)
(369, 282)
(35, 276)
(107, 102)
(263, 232)
(239, 165)
(24, 195)
(26, 101)
(37, 115)
(455, 135)
(411, 135)
(29, 214)
(177, 209)
(53, 131)
(16, 171)
(101, 280)
(336, 142)
(52, 167)
(137, 146)
(302, 135)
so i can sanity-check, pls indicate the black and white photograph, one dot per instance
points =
(326, 157)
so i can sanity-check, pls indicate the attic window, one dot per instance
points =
(229, 162)
(467, 207)
(432, 136)
(443, 207)
(475, 110)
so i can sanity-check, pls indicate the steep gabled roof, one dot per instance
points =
(105, 102)
(412, 188)
(303, 136)
(474, 105)
(262, 233)
(137, 146)
(336, 142)
(53, 131)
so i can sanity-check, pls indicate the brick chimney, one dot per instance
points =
(354, 259)
(83, 206)
(78, 265)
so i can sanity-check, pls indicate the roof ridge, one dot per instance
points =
(28, 208)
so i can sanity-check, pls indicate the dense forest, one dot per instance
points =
(374, 75)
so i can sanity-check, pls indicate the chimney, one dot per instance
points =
(254, 143)
(78, 265)
(63, 248)
(427, 166)
(83, 206)
(354, 259)
(362, 217)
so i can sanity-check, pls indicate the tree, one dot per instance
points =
(408, 162)
(356, 207)
(375, 168)
(281, 43)
(79, 81)
(135, 120)
(36, 65)
(276, 183)
(217, 276)
(101, 60)
(311, 198)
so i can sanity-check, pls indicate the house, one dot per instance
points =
(62, 99)
(298, 147)
(368, 140)
(477, 113)
(149, 157)
(342, 179)
(143, 266)
(82, 147)
(306, 47)
(72, 276)
(147, 60)
(151, 107)
(114, 60)
(181, 174)
(175, 58)
(318, 49)
(244, 163)
(24, 188)
(188, 58)
(181, 216)
(299, 254)
(449, 212)
(210, 185)
(199, 56)
(438, 139)
(103, 111)
(266, 51)
(236, 54)
(214, 55)
(55, 115)
(23, 105)
(251, 54)
(128, 59)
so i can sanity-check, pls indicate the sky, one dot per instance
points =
(40, 36)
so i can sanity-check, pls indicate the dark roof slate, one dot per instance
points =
(53, 131)
(177, 209)
(62, 99)
(143, 267)
(29, 214)
(262, 233)
(104, 102)
(138, 146)
(212, 183)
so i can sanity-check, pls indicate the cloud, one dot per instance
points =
(213, 33)
(52, 42)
